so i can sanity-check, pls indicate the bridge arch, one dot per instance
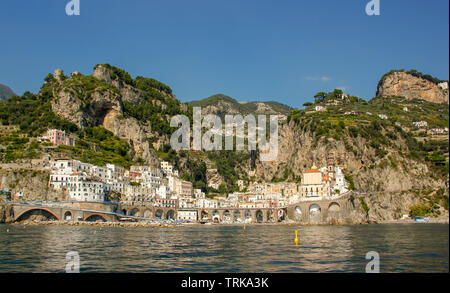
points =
(259, 216)
(236, 216)
(159, 214)
(134, 212)
(314, 213)
(37, 212)
(68, 216)
(95, 218)
(314, 208)
(170, 215)
(282, 213)
(227, 216)
(204, 215)
(247, 215)
(334, 207)
(298, 213)
(148, 213)
(216, 216)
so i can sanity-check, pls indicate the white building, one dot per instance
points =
(70, 166)
(99, 172)
(167, 168)
(186, 215)
(340, 183)
(139, 194)
(319, 108)
(443, 85)
(437, 131)
(420, 124)
(80, 186)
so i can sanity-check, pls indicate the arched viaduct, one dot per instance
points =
(306, 212)
(73, 211)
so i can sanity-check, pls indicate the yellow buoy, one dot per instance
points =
(296, 237)
(244, 227)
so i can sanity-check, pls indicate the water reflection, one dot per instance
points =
(402, 248)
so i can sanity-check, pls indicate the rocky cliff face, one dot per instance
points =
(33, 184)
(412, 87)
(299, 150)
(102, 105)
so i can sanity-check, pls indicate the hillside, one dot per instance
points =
(5, 92)
(221, 105)
(123, 120)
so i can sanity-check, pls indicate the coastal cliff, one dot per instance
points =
(118, 119)
(401, 83)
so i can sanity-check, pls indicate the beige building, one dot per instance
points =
(315, 184)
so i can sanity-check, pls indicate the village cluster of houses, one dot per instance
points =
(161, 186)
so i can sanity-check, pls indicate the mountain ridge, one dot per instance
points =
(222, 104)
(5, 92)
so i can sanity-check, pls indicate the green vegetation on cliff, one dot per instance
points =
(347, 119)
(33, 115)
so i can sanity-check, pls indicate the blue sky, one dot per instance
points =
(282, 50)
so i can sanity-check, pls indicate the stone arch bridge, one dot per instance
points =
(306, 212)
(328, 211)
(70, 211)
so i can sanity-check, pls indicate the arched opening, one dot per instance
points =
(248, 216)
(226, 217)
(259, 217)
(159, 214)
(334, 207)
(37, 215)
(67, 216)
(216, 217)
(204, 215)
(134, 212)
(314, 213)
(170, 215)
(314, 209)
(236, 216)
(281, 215)
(124, 211)
(147, 214)
(298, 213)
(95, 218)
